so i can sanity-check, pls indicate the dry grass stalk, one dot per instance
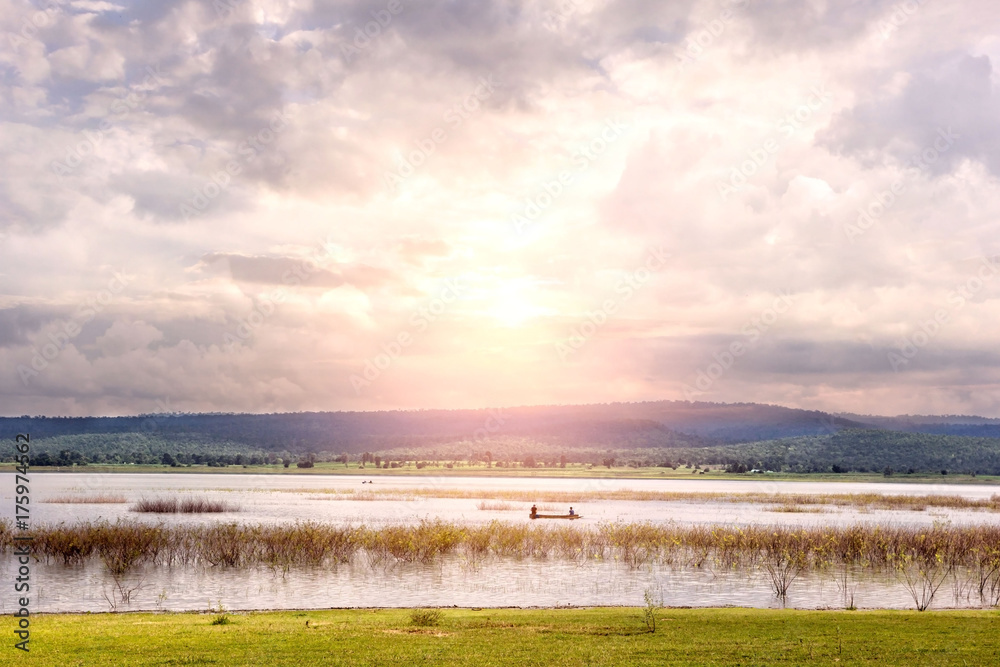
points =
(182, 506)
(95, 499)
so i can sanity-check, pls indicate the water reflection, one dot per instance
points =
(452, 581)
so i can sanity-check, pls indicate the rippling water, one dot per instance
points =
(452, 582)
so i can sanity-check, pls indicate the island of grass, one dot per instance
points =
(500, 637)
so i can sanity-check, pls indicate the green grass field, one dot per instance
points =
(546, 637)
(571, 471)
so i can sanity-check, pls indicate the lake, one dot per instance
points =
(451, 580)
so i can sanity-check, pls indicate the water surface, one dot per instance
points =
(451, 580)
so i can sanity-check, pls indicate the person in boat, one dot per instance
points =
(571, 512)
(534, 511)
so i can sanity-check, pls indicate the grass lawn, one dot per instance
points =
(571, 471)
(549, 637)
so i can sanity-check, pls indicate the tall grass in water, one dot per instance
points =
(99, 498)
(182, 506)
(920, 557)
(351, 494)
(497, 506)
(503, 506)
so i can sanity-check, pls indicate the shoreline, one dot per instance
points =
(516, 473)
(527, 608)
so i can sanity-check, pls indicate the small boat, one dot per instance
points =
(555, 516)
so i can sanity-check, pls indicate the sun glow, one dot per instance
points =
(511, 306)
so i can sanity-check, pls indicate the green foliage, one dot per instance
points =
(602, 637)
(425, 617)
(653, 605)
(221, 616)
(138, 448)
(616, 435)
(865, 451)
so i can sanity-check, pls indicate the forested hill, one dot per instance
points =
(660, 425)
(861, 451)
(616, 425)
(982, 427)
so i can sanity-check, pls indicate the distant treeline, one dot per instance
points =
(739, 436)
(853, 450)
(356, 432)
(847, 451)
(859, 450)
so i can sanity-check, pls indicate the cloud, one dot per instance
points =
(297, 271)
(417, 250)
(123, 337)
(953, 95)
(303, 265)
(19, 323)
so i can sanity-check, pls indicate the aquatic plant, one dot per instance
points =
(496, 506)
(182, 506)
(922, 558)
(94, 499)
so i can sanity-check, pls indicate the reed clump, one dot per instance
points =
(795, 509)
(497, 506)
(182, 506)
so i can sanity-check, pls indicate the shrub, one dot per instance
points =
(425, 617)
(221, 617)
(649, 611)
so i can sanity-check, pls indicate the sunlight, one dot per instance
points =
(511, 306)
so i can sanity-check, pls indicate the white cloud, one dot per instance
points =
(80, 90)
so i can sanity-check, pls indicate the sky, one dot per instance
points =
(256, 206)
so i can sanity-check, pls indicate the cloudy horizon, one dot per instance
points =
(247, 205)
